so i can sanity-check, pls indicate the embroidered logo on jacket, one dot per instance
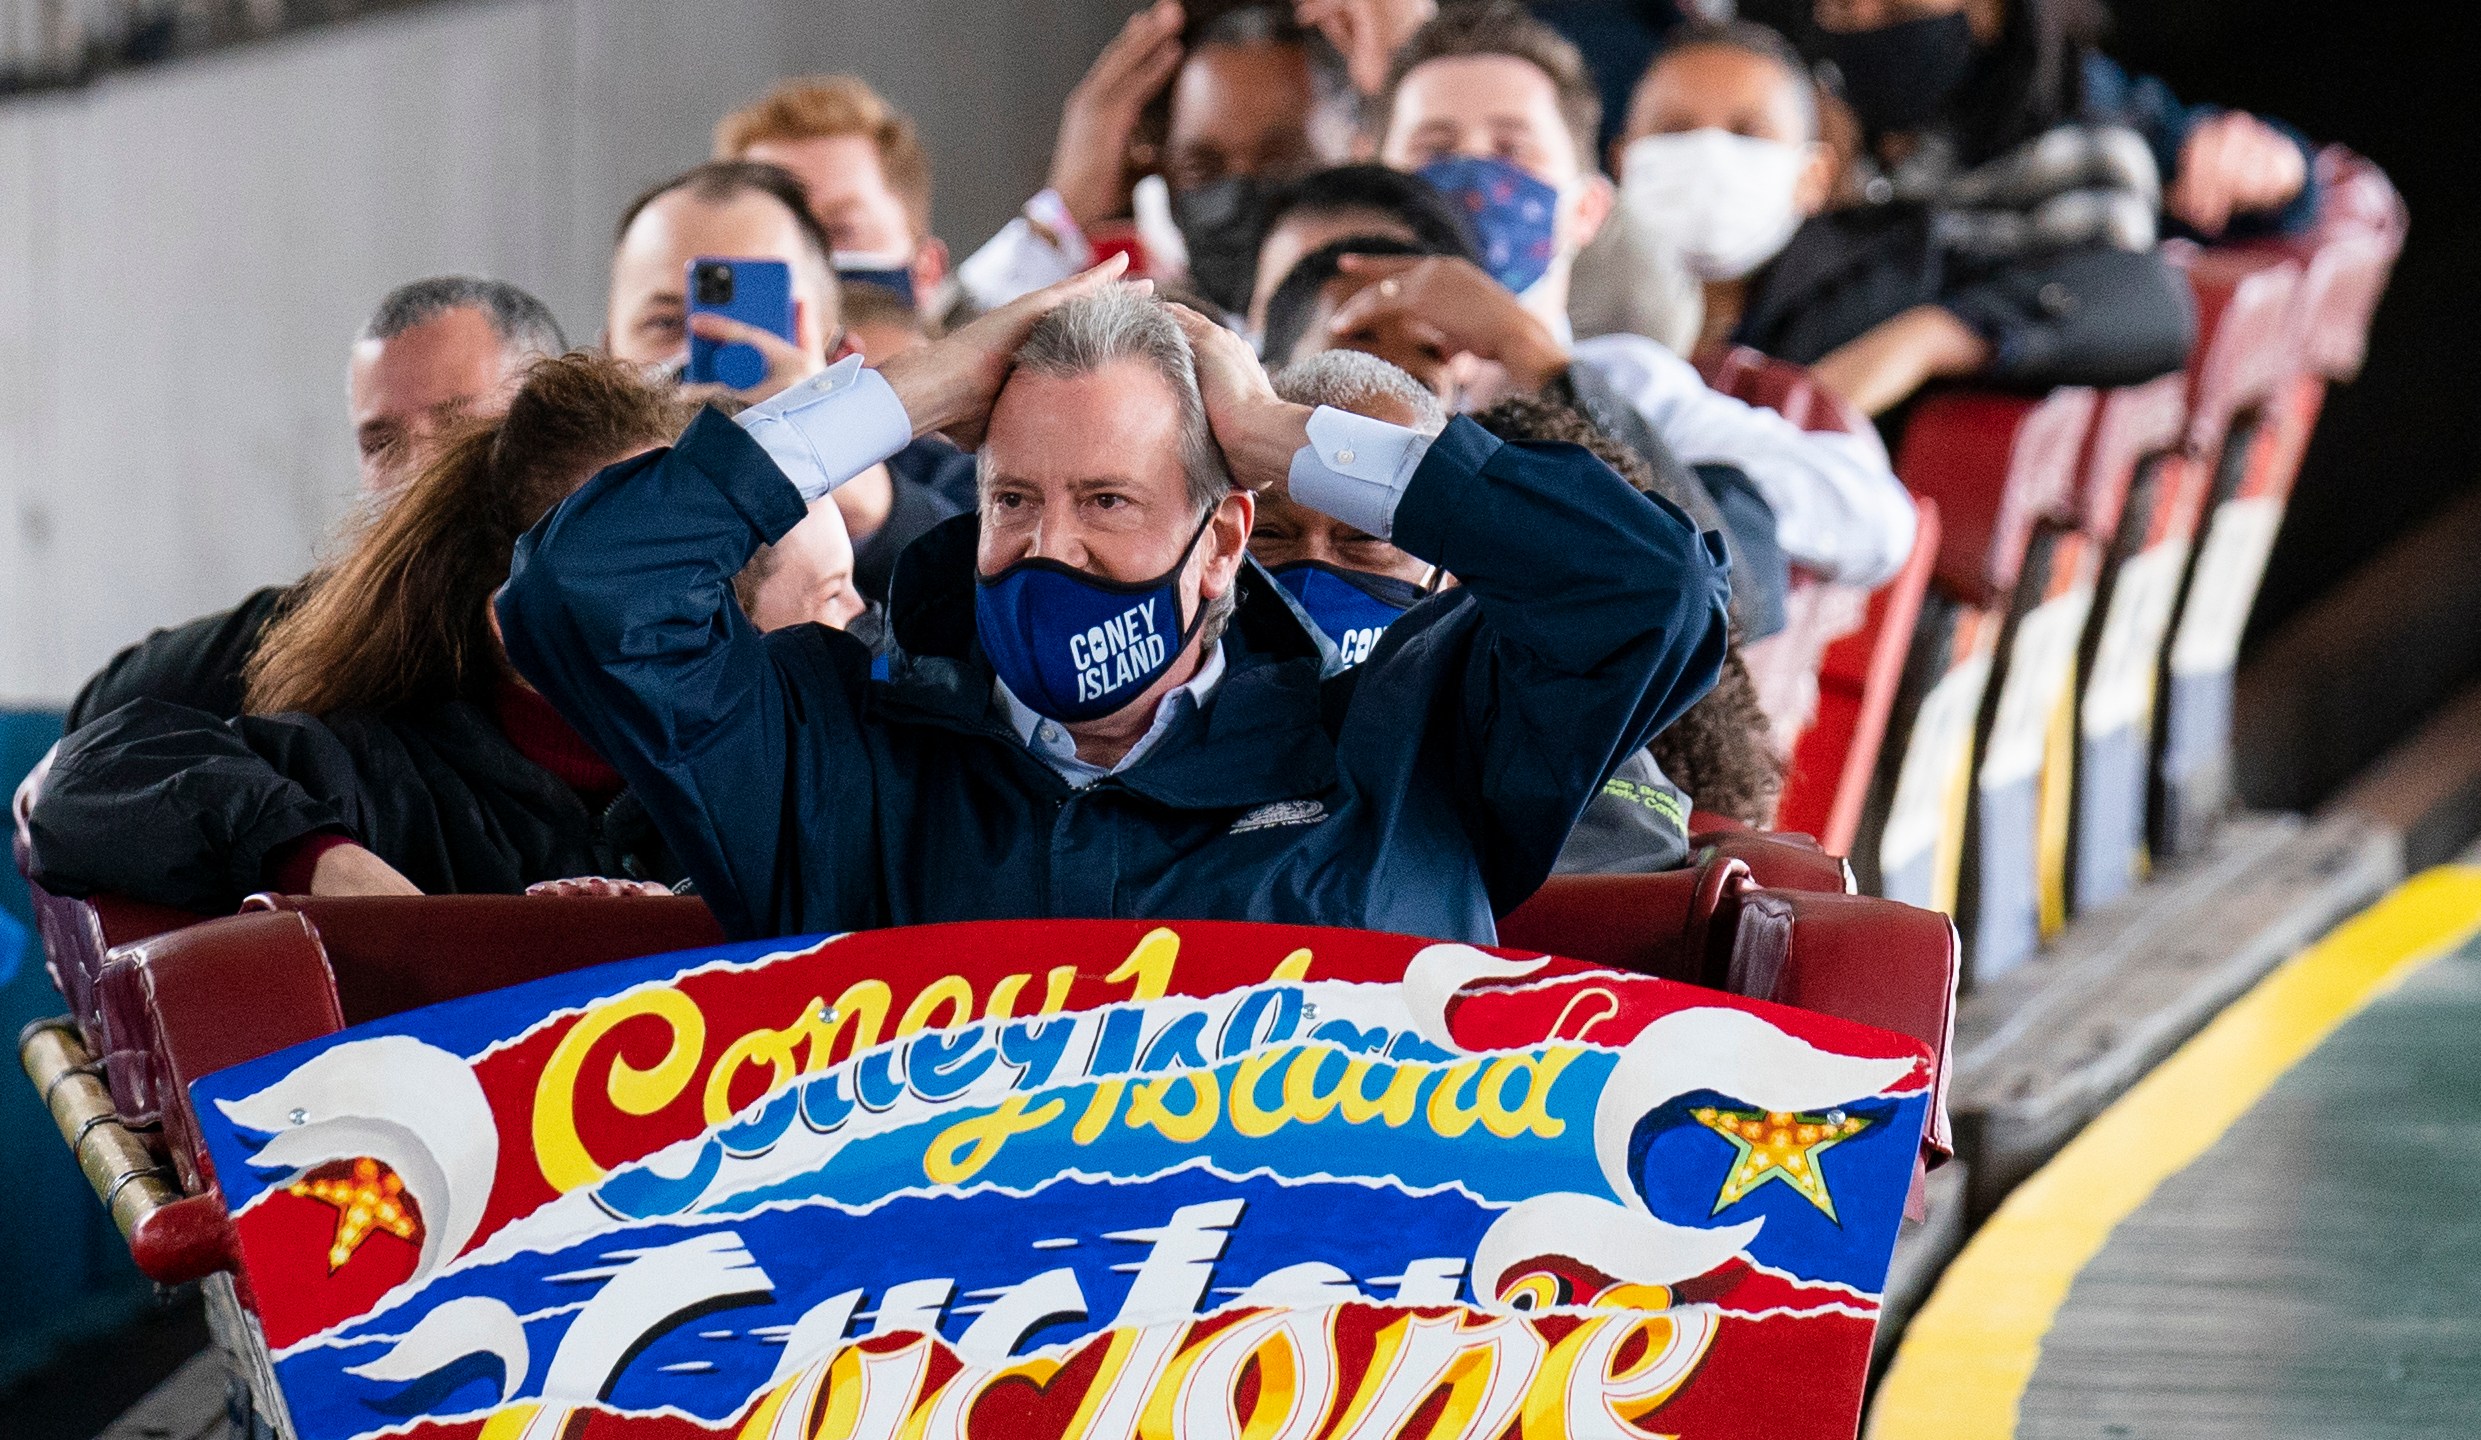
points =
(1282, 812)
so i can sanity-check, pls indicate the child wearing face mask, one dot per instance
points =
(2040, 272)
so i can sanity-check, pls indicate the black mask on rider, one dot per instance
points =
(1223, 224)
(1900, 77)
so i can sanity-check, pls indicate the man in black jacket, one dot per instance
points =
(435, 351)
(1099, 707)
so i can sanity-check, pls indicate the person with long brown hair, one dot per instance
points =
(387, 747)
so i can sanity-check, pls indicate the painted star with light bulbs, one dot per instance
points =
(370, 1199)
(1774, 1145)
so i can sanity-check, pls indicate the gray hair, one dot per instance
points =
(524, 324)
(1351, 380)
(1116, 324)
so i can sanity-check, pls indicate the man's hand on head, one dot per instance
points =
(1454, 306)
(787, 364)
(1090, 160)
(1258, 431)
(948, 385)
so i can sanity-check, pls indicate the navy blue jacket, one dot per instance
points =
(1425, 791)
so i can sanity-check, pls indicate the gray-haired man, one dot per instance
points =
(1099, 706)
(434, 352)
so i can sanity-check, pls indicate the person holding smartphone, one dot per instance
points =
(726, 212)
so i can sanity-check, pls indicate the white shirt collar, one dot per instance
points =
(1050, 739)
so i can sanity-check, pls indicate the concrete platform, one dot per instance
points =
(2269, 1236)
(2317, 1273)
(2043, 1049)
(193, 1404)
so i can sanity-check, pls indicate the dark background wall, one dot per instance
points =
(2365, 628)
(2404, 442)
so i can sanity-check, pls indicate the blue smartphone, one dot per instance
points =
(754, 292)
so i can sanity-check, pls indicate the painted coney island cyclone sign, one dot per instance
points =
(1073, 1179)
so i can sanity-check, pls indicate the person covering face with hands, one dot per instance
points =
(1099, 706)
(1250, 98)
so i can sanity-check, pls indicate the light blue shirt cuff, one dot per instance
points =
(830, 427)
(1354, 468)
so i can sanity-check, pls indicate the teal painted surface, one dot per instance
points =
(2318, 1272)
(64, 1273)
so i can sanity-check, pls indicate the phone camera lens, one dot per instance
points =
(714, 284)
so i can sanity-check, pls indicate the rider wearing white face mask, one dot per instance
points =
(1721, 162)
(1720, 158)
(1724, 163)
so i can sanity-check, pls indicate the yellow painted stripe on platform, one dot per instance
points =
(1967, 1357)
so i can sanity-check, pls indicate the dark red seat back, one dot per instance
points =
(1826, 786)
(2245, 335)
(1996, 465)
(1830, 679)
(202, 998)
(1626, 922)
(79, 935)
(2131, 425)
(1781, 386)
(391, 954)
(2347, 256)
(1777, 860)
(1860, 959)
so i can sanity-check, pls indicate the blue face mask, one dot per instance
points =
(1513, 215)
(1075, 646)
(1353, 607)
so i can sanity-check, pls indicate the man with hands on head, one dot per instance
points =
(1098, 706)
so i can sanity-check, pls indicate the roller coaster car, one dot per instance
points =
(192, 1021)
(2001, 470)
(2278, 321)
(2143, 496)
